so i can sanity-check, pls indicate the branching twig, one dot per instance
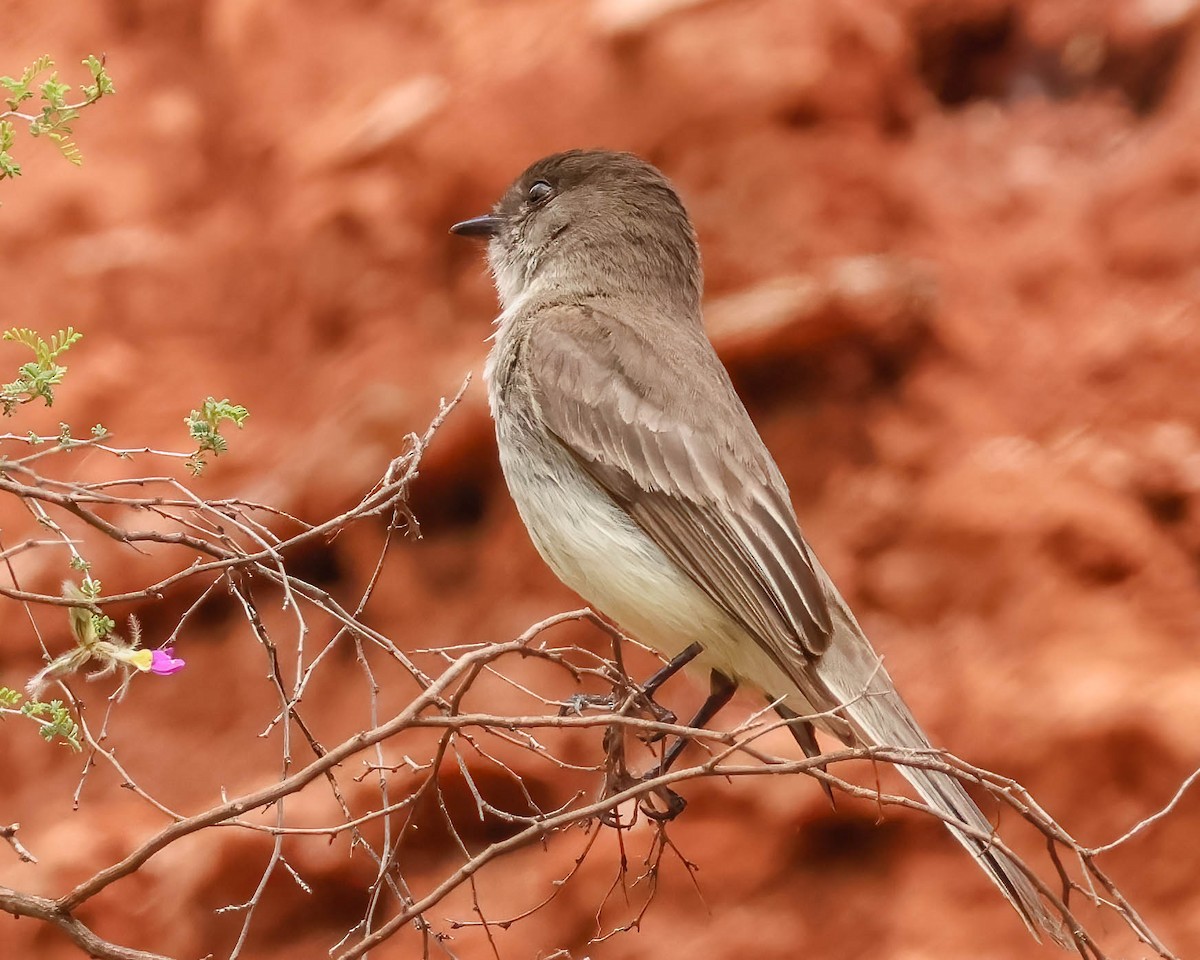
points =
(9, 833)
(40, 908)
(437, 734)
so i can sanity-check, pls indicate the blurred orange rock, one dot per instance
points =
(951, 254)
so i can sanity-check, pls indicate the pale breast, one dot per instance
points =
(597, 551)
(594, 547)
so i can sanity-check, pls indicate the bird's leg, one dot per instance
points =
(804, 734)
(670, 668)
(617, 776)
(661, 676)
(721, 691)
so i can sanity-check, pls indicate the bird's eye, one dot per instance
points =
(539, 191)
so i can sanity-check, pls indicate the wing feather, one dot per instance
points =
(699, 482)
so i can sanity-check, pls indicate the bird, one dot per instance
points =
(647, 489)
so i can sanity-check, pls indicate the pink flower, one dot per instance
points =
(164, 663)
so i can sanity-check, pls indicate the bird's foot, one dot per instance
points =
(672, 804)
(579, 702)
(662, 715)
(662, 804)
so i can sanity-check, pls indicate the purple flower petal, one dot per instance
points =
(164, 663)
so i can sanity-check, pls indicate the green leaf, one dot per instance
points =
(8, 166)
(20, 89)
(101, 85)
(59, 342)
(204, 426)
(102, 625)
(54, 92)
(67, 148)
(37, 379)
(56, 114)
(54, 720)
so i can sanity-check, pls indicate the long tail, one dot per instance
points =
(879, 717)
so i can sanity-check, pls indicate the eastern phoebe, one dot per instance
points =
(642, 480)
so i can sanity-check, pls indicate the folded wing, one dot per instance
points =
(695, 478)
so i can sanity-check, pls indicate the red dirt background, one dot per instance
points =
(953, 258)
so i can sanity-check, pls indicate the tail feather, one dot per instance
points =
(877, 716)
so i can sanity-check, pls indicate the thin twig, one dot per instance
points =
(9, 833)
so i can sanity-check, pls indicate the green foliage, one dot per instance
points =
(57, 113)
(88, 627)
(204, 425)
(101, 85)
(20, 90)
(37, 379)
(54, 720)
(9, 167)
(60, 342)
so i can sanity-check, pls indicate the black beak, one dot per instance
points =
(486, 226)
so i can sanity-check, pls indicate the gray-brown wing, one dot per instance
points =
(678, 452)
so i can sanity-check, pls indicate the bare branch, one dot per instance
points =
(1143, 824)
(405, 763)
(40, 908)
(9, 833)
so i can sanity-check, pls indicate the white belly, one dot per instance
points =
(597, 550)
